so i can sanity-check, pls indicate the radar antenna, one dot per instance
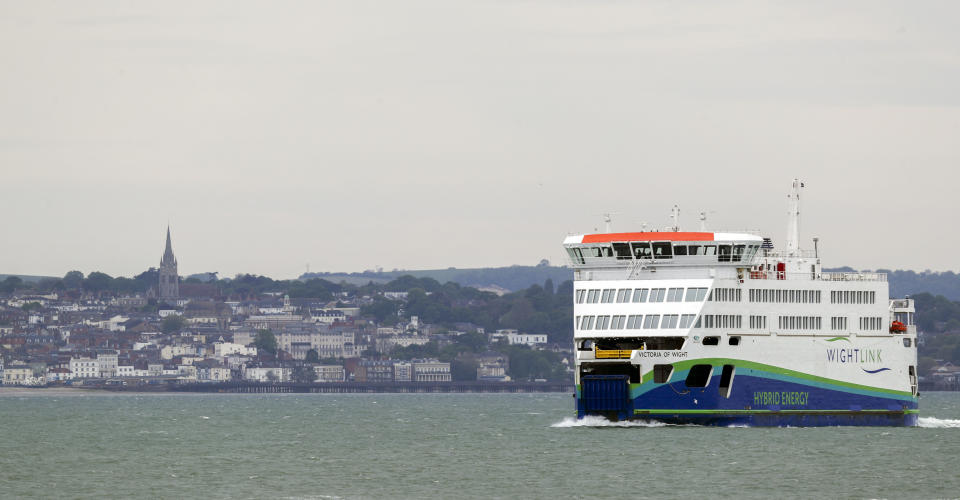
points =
(608, 221)
(675, 215)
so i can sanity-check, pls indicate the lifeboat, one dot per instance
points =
(898, 327)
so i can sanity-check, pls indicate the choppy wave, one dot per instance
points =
(596, 421)
(937, 423)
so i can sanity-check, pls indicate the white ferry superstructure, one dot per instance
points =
(719, 328)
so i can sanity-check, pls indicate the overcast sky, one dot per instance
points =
(430, 134)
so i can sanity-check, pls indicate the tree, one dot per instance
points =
(97, 282)
(303, 374)
(463, 369)
(265, 341)
(10, 284)
(31, 306)
(313, 356)
(172, 323)
(73, 280)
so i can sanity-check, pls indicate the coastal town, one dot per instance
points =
(199, 330)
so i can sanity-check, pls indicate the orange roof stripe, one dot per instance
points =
(647, 236)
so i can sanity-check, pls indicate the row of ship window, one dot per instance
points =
(663, 250)
(853, 297)
(625, 295)
(784, 296)
(637, 295)
(729, 321)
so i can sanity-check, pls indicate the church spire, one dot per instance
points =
(168, 257)
(169, 280)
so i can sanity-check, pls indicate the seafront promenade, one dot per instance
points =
(240, 387)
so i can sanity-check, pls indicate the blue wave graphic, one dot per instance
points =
(874, 371)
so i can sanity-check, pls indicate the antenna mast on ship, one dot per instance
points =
(793, 224)
(675, 215)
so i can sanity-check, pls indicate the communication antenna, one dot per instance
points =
(675, 215)
(703, 220)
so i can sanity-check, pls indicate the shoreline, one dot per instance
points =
(300, 388)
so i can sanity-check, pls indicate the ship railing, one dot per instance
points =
(781, 254)
(901, 303)
(832, 276)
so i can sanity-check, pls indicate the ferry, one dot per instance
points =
(721, 328)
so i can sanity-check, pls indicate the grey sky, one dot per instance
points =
(453, 133)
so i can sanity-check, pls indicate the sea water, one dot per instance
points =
(94, 445)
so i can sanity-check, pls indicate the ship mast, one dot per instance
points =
(793, 221)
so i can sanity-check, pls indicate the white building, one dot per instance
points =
(83, 367)
(19, 373)
(108, 363)
(402, 371)
(329, 373)
(221, 349)
(526, 339)
(386, 344)
(172, 351)
(430, 370)
(267, 374)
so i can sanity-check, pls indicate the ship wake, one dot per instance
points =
(597, 421)
(938, 423)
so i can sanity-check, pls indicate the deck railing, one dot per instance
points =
(844, 276)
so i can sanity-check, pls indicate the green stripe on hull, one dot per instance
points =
(772, 372)
(660, 411)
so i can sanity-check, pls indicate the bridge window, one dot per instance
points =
(662, 250)
(575, 255)
(623, 295)
(696, 294)
(622, 250)
(724, 253)
(640, 294)
(699, 375)
(657, 294)
(675, 295)
(593, 297)
(580, 296)
(737, 252)
(608, 296)
(633, 322)
(641, 250)
(679, 249)
(686, 320)
(709, 250)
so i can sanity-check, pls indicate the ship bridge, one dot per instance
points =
(662, 248)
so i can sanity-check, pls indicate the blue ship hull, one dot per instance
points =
(753, 401)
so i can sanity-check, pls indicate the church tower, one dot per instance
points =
(169, 280)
